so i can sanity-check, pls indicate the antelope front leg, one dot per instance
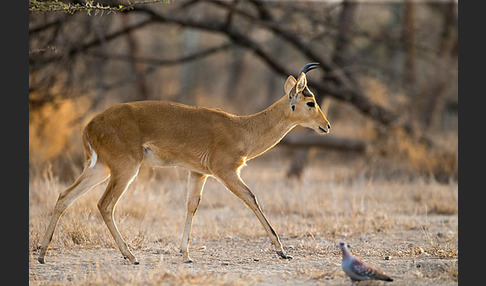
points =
(194, 193)
(234, 183)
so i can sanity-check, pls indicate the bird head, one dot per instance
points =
(342, 245)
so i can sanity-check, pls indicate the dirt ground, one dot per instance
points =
(236, 261)
(407, 228)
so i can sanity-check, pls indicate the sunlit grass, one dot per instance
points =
(408, 220)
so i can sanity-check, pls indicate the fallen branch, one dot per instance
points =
(330, 142)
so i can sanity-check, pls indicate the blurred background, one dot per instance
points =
(387, 82)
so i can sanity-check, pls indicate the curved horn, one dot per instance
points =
(308, 67)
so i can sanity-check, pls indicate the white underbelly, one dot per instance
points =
(153, 160)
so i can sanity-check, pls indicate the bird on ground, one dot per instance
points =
(357, 270)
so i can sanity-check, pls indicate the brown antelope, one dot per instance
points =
(208, 142)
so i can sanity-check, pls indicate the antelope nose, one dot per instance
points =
(328, 126)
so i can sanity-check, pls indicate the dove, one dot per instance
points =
(357, 270)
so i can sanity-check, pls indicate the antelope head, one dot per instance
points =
(304, 109)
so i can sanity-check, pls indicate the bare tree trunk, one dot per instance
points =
(236, 76)
(340, 59)
(338, 143)
(239, 70)
(99, 72)
(136, 67)
(446, 49)
(188, 70)
(412, 88)
(342, 49)
(408, 34)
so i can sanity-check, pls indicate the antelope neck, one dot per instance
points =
(268, 127)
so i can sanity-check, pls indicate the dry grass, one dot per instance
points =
(412, 221)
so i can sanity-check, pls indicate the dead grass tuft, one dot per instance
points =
(406, 155)
(412, 221)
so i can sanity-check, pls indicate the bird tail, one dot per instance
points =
(383, 277)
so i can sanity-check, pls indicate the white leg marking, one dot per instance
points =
(94, 156)
(133, 178)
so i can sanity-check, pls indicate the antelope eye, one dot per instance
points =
(311, 104)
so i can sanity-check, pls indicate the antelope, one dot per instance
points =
(207, 142)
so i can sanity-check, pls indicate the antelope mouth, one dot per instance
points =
(323, 130)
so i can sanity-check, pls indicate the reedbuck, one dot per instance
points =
(208, 142)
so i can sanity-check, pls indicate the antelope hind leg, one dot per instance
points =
(118, 184)
(90, 177)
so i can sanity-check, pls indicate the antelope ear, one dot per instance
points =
(301, 83)
(289, 84)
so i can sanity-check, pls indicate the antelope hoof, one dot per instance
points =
(41, 256)
(185, 257)
(283, 255)
(133, 260)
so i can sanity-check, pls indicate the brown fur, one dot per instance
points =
(208, 142)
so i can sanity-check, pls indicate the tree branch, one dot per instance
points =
(36, 6)
(343, 90)
(35, 64)
(331, 142)
(165, 62)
